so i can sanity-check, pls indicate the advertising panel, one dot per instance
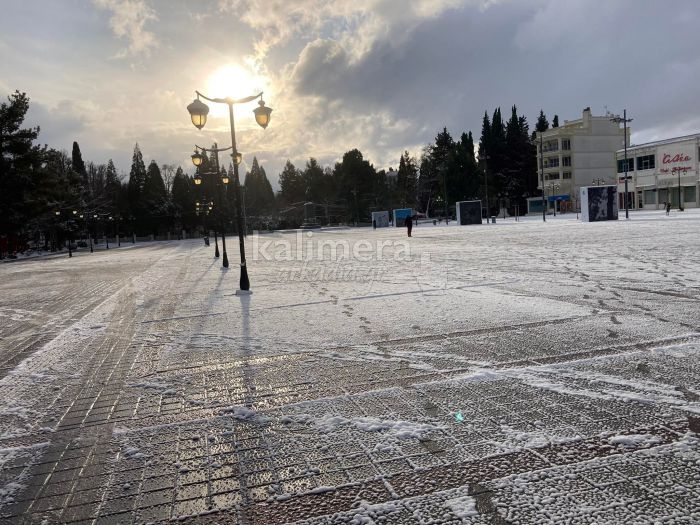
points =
(599, 203)
(380, 219)
(468, 212)
(400, 216)
(675, 159)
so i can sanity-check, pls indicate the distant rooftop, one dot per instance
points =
(662, 142)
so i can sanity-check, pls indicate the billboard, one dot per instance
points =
(674, 159)
(380, 219)
(599, 203)
(468, 212)
(400, 216)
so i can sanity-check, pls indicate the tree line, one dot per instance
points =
(51, 196)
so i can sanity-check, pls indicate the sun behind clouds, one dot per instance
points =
(234, 81)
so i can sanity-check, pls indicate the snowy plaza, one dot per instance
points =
(509, 373)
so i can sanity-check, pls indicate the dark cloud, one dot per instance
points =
(559, 55)
(378, 75)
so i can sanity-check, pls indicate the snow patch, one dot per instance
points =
(634, 440)
(245, 414)
(463, 507)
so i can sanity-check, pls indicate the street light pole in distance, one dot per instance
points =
(220, 180)
(624, 121)
(544, 200)
(198, 113)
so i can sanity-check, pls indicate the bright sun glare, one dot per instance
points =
(233, 81)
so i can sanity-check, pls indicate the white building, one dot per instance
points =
(657, 169)
(579, 153)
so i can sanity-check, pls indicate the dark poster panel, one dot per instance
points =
(469, 212)
(602, 205)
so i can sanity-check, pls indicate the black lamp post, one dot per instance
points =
(198, 113)
(220, 180)
(552, 188)
(486, 159)
(680, 198)
(544, 199)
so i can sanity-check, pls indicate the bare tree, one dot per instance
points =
(168, 172)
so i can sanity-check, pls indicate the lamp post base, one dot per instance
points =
(244, 292)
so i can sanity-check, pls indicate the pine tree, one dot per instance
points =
(137, 179)
(21, 172)
(555, 121)
(80, 177)
(292, 188)
(442, 156)
(259, 197)
(542, 123)
(113, 188)
(155, 199)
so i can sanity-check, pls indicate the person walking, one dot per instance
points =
(374, 223)
(668, 208)
(409, 224)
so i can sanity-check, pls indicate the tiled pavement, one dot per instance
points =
(532, 389)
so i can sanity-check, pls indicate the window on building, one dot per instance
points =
(689, 193)
(551, 145)
(566, 161)
(621, 165)
(551, 162)
(566, 144)
(566, 175)
(647, 162)
(649, 197)
(663, 196)
(551, 176)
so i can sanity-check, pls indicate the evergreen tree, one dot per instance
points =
(183, 199)
(80, 177)
(542, 122)
(154, 198)
(354, 179)
(137, 179)
(21, 172)
(292, 186)
(447, 177)
(259, 197)
(555, 121)
(465, 180)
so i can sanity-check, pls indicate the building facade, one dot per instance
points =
(659, 172)
(579, 153)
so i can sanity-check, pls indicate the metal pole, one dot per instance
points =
(544, 200)
(627, 203)
(244, 282)
(680, 202)
(87, 224)
(486, 185)
(216, 241)
(224, 261)
(444, 191)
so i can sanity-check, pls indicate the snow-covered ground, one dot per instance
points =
(517, 372)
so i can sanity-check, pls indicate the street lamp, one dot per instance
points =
(678, 170)
(552, 188)
(617, 119)
(486, 158)
(224, 179)
(198, 113)
(544, 199)
(197, 158)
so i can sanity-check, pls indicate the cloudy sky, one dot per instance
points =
(378, 75)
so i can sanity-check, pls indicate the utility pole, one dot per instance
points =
(624, 121)
(544, 200)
